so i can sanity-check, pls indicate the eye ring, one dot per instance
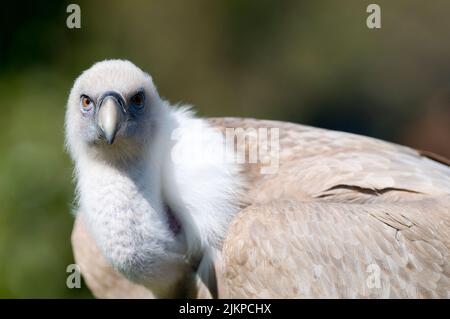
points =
(86, 103)
(138, 100)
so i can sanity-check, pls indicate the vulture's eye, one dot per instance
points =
(86, 103)
(138, 100)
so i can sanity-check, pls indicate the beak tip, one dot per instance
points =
(110, 139)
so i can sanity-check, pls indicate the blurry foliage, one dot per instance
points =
(313, 62)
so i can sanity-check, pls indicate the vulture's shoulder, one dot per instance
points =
(320, 164)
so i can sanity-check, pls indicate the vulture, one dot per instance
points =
(170, 205)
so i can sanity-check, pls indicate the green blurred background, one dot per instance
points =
(313, 62)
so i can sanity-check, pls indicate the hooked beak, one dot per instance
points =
(110, 117)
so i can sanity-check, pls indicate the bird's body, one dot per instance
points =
(341, 210)
(342, 216)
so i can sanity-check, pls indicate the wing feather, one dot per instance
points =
(291, 249)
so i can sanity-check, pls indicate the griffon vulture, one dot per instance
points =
(166, 209)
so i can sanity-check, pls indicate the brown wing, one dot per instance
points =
(291, 249)
(339, 208)
(322, 164)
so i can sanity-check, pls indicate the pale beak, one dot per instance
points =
(110, 117)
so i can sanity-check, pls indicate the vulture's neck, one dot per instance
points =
(154, 217)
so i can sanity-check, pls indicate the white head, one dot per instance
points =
(112, 110)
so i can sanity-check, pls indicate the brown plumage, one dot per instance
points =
(342, 209)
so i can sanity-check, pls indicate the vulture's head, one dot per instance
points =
(112, 109)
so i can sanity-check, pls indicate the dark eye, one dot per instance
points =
(138, 100)
(86, 103)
